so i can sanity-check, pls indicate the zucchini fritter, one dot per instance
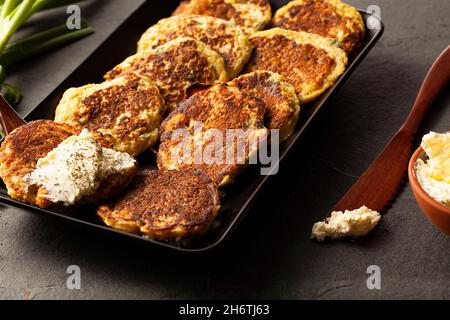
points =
(197, 134)
(21, 150)
(126, 111)
(309, 62)
(328, 18)
(222, 36)
(24, 147)
(165, 206)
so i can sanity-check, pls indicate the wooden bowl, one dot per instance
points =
(437, 212)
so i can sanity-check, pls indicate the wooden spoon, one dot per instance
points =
(378, 185)
(9, 118)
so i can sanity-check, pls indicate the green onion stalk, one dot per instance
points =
(13, 14)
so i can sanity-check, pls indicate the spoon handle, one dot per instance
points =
(9, 119)
(434, 83)
(377, 187)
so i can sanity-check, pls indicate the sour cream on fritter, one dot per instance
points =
(76, 168)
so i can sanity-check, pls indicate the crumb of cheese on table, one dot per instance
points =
(356, 223)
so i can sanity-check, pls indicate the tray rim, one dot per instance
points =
(244, 209)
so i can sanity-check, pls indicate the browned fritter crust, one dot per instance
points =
(282, 105)
(226, 10)
(311, 63)
(174, 70)
(323, 18)
(222, 36)
(219, 108)
(169, 205)
(106, 107)
(279, 54)
(21, 150)
(126, 114)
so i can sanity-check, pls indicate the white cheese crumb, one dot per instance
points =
(357, 223)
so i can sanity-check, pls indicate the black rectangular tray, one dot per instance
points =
(240, 196)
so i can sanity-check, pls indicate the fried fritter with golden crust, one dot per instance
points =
(24, 147)
(328, 18)
(309, 62)
(165, 206)
(198, 134)
(21, 150)
(127, 111)
(175, 67)
(220, 35)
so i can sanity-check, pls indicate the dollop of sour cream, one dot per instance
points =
(434, 173)
(356, 223)
(76, 168)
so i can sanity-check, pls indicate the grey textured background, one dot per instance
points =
(270, 255)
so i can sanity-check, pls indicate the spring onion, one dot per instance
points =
(13, 14)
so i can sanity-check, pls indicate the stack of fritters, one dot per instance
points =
(246, 108)
(175, 67)
(287, 68)
(202, 46)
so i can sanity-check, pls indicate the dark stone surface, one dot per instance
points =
(270, 255)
